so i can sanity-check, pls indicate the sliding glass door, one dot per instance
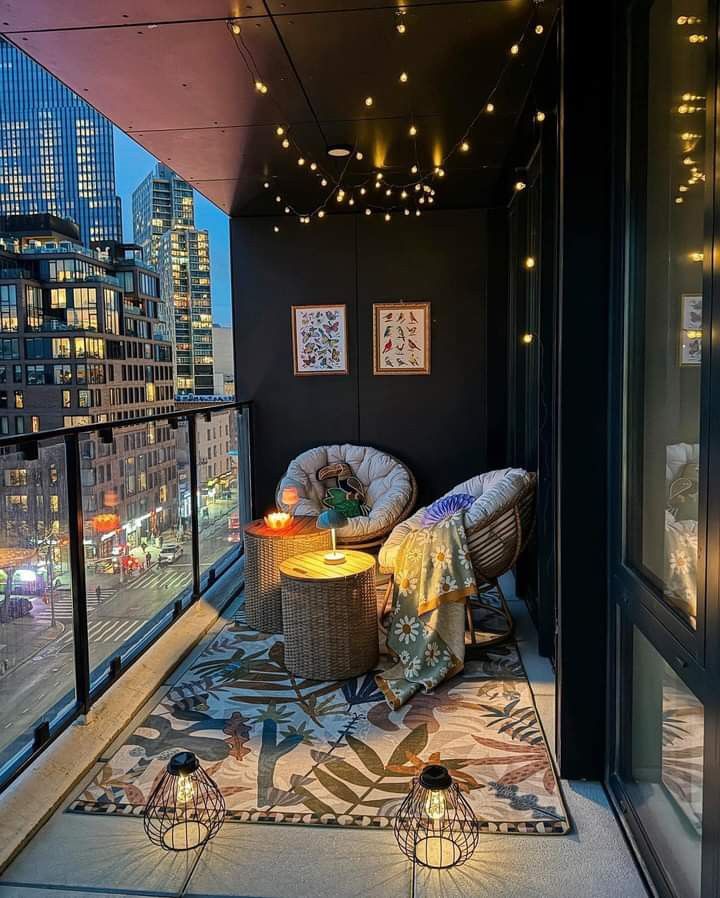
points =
(664, 600)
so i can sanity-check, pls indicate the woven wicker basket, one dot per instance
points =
(265, 549)
(330, 616)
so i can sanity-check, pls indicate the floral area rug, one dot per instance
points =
(289, 750)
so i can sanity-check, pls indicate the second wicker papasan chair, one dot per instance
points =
(497, 525)
(389, 487)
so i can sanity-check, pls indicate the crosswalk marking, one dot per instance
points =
(100, 631)
(161, 579)
(62, 603)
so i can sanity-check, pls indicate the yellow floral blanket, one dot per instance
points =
(426, 633)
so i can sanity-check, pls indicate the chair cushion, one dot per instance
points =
(388, 487)
(493, 491)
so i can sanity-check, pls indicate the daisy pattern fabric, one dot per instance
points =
(426, 633)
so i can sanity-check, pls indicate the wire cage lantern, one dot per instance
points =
(186, 808)
(435, 826)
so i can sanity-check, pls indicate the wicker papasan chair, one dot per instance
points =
(390, 490)
(498, 526)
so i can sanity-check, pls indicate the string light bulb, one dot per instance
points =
(287, 210)
(368, 211)
(351, 201)
(363, 191)
(404, 195)
(388, 192)
(286, 144)
(321, 213)
(529, 263)
(539, 116)
(465, 147)
(359, 156)
(520, 185)
(417, 213)
(412, 130)
(414, 170)
(527, 339)
(514, 50)
(400, 21)
(276, 229)
(235, 27)
(406, 212)
(261, 87)
(340, 195)
(440, 172)
(490, 107)
(387, 216)
(403, 77)
(369, 101)
(313, 166)
(379, 175)
(266, 185)
(697, 257)
(539, 29)
(324, 182)
(279, 130)
(278, 199)
(301, 161)
(679, 201)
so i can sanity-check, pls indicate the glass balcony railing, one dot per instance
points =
(107, 533)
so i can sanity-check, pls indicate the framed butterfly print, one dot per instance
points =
(401, 338)
(319, 340)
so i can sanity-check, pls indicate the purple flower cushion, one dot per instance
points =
(446, 507)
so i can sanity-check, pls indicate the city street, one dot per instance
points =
(37, 657)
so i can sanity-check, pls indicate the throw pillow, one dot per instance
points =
(348, 496)
(684, 493)
(446, 507)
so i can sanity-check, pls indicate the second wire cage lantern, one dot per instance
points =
(186, 808)
(435, 826)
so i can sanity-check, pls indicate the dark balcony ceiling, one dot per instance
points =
(171, 74)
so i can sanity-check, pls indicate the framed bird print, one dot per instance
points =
(319, 340)
(401, 338)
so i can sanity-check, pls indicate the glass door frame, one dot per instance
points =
(632, 601)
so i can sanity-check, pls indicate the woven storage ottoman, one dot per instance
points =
(329, 616)
(265, 549)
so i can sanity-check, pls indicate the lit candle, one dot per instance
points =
(276, 520)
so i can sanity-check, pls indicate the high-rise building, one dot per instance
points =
(83, 340)
(223, 355)
(56, 151)
(164, 226)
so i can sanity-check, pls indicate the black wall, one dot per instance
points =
(438, 424)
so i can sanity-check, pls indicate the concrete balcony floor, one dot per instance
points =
(78, 856)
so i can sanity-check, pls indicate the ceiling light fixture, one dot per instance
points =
(339, 150)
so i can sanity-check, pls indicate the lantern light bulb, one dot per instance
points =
(435, 805)
(185, 790)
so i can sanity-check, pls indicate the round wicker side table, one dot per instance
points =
(329, 615)
(265, 549)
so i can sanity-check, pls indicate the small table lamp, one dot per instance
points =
(331, 520)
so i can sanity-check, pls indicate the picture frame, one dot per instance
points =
(401, 338)
(690, 348)
(319, 336)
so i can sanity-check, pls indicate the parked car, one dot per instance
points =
(170, 552)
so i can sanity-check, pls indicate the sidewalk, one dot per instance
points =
(22, 639)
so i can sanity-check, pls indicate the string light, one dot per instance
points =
(527, 339)
(278, 199)
(697, 257)
(539, 29)
(388, 192)
(261, 87)
(387, 216)
(379, 175)
(369, 101)
(324, 182)
(403, 77)
(679, 200)
(279, 130)
(520, 185)
(321, 213)
(266, 185)
(417, 213)
(287, 210)
(276, 229)
(514, 50)
(235, 27)
(399, 21)
(351, 201)
(406, 212)
(301, 161)
(359, 156)
(490, 107)
(412, 130)
(404, 195)
(313, 166)
(440, 172)
(417, 187)
(340, 195)
(363, 191)
(368, 211)
(465, 146)
(286, 144)
(529, 262)
(539, 116)
(414, 170)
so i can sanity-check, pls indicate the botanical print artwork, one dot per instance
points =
(401, 338)
(319, 340)
(691, 332)
(284, 749)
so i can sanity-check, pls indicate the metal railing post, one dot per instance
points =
(245, 503)
(194, 503)
(77, 571)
